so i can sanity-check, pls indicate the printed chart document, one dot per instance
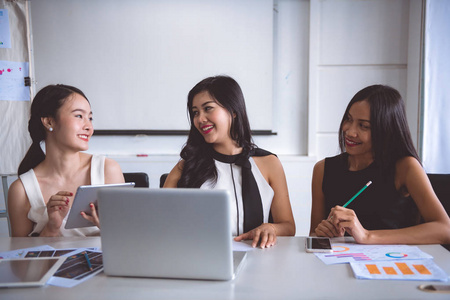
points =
(73, 271)
(41, 251)
(22, 253)
(76, 269)
(424, 269)
(392, 262)
(347, 253)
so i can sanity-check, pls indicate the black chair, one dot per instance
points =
(441, 186)
(162, 179)
(140, 179)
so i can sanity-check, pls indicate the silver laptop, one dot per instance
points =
(167, 233)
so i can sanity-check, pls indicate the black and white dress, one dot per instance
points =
(229, 177)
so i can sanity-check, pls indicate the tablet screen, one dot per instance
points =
(28, 272)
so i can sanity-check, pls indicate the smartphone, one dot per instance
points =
(318, 244)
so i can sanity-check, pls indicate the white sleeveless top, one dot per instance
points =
(38, 211)
(229, 177)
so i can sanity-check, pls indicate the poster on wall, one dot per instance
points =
(12, 81)
(5, 34)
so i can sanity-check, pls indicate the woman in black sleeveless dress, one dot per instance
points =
(400, 205)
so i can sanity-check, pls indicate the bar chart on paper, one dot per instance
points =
(424, 269)
(348, 253)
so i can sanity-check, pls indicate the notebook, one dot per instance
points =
(168, 233)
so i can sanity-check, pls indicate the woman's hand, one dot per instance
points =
(326, 228)
(345, 219)
(93, 217)
(57, 209)
(265, 235)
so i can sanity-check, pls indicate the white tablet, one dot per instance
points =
(85, 195)
(26, 272)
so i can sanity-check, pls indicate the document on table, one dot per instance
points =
(348, 253)
(395, 262)
(423, 269)
(76, 269)
(22, 253)
(40, 251)
(73, 271)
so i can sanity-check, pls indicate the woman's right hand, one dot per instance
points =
(57, 209)
(265, 235)
(326, 228)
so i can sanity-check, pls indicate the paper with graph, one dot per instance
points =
(423, 269)
(349, 253)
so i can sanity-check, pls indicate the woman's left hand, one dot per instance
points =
(93, 218)
(265, 235)
(346, 219)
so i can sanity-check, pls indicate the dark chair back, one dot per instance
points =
(441, 186)
(139, 178)
(162, 179)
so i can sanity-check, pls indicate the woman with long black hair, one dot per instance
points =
(220, 154)
(399, 206)
(39, 201)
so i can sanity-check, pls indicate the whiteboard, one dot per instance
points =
(137, 60)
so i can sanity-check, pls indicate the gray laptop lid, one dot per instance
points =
(166, 233)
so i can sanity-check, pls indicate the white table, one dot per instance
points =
(284, 271)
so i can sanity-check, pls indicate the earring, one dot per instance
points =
(50, 129)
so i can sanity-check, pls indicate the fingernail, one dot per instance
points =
(91, 205)
(60, 208)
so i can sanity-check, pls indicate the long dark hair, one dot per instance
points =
(197, 155)
(46, 103)
(391, 138)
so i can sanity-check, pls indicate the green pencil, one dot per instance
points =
(357, 194)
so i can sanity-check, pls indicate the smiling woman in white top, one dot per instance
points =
(39, 201)
(220, 154)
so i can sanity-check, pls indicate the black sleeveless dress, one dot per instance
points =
(380, 206)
